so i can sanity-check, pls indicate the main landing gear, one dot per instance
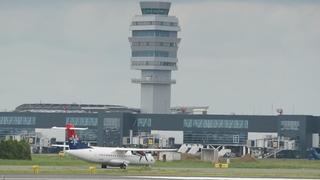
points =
(123, 166)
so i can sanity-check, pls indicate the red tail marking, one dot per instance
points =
(71, 133)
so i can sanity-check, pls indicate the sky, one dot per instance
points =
(236, 56)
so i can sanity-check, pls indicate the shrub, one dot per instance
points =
(12, 149)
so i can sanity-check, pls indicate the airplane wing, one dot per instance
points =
(73, 128)
(59, 145)
(144, 150)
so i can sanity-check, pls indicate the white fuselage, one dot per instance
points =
(110, 156)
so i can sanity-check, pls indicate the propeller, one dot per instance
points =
(141, 154)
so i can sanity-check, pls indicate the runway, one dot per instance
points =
(97, 177)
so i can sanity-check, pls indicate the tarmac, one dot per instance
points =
(46, 176)
(96, 177)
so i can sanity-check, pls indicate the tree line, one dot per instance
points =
(13, 149)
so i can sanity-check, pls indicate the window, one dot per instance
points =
(290, 125)
(162, 44)
(152, 63)
(111, 123)
(88, 135)
(151, 54)
(214, 137)
(144, 122)
(154, 33)
(187, 123)
(161, 54)
(17, 120)
(155, 11)
(161, 23)
(235, 138)
(4, 131)
(215, 123)
(82, 121)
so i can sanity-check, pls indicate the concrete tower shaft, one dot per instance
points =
(154, 45)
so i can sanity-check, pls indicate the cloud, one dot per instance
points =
(246, 54)
(236, 56)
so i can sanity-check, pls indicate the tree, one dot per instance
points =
(12, 149)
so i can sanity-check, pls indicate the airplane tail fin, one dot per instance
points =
(72, 137)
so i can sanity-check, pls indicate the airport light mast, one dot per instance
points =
(154, 44)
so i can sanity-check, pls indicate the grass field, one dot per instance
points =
(46, 160)
(52, 164)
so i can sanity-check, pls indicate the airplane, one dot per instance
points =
(107, 156)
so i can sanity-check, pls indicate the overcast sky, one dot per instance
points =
(243, 57)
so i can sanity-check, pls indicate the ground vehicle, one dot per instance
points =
(289, 154)
(314, 154)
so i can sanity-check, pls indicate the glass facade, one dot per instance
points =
(153, 63)
(236, 139)
(4, 131)
(290, 125)
(112, 132)
(82, 121)
(89, 135)
(162, 44)
(155, 11)
(159, 23)
(215, 137)
(154, 54)
(144, 122)
(111, 123)
(153, 33)
(215, 123)
(143, 126)
(17, 120)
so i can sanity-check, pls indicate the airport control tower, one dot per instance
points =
(154, 45)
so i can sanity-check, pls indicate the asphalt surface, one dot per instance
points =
(96, 177)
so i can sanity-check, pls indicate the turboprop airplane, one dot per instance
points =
(107, 156)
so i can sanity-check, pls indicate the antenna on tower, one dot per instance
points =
(280, 111)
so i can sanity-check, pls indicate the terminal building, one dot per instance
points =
(111, 127)
(154, 43)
